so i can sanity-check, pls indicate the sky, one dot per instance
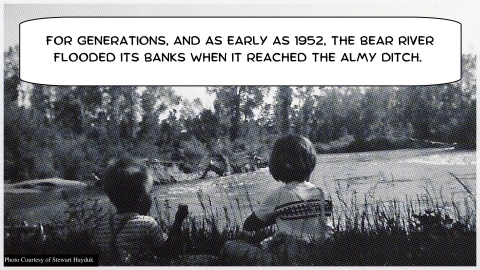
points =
(466, 12)
(192, 93)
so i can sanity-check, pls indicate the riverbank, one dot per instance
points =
(401, 207)
(348, 145)
(379, 235)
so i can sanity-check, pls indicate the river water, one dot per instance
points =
(400, 175)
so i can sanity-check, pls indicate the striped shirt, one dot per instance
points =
(300, 210)
(137, 238)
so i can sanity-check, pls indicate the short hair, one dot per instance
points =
(127, 182)
(293, 158)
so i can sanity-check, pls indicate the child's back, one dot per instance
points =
(298, 208)
(129, 237)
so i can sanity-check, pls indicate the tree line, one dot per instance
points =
(72, 131)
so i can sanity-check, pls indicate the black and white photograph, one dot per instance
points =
(188, 174)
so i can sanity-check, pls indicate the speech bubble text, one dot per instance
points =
(240, 51)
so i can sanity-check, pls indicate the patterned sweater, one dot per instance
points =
(137, 238)
(300, 210)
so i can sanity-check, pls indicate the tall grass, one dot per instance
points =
(429, 229)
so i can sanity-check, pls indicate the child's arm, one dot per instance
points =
(180, 216)
(173, 244)
(253, 223)
(264, 215)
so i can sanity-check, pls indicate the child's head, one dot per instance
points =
(293, 158)
(127, 183)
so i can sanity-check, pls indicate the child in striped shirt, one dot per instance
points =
(298, 208)
(130, 237)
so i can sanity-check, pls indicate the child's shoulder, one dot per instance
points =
(301, 185)
(143, 219)
(305, 190)
(143, 224)
(135, 220)
(313, 188)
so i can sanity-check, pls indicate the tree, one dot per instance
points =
(283, 101)
(11, 75)
(69, 114)
(330, 114)
(155, 101)
(236, 102)
(204, 127)
(303, 110)
(123, 109)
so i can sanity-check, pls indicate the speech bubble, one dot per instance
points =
(179, 51)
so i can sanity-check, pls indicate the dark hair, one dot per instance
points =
(127, 183)
(293, 158)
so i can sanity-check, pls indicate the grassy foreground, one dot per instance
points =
(375, 233)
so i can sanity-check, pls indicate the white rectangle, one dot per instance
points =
(243, 51)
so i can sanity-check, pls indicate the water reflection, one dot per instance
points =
(383, 175)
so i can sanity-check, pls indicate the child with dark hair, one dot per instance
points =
(130, 237)
(298, 208)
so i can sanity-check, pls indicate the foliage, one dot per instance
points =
(71, 132)
(236, 102)
(379, 234)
